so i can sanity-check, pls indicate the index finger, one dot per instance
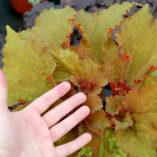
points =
(42, 103)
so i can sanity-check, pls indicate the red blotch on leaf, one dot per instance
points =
(150, 70)
(86, 85)
(125, 57)
(80, 28)
(71, 21)
(121, 114)
(49, 78)
(119, 88)
(110, 32)
(137, 81)
(67, 42)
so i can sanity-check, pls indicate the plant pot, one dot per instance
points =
(21, 6)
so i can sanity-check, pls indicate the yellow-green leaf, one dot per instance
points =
(52, 28)
(26, 70)
(138, 38)
(95, 27)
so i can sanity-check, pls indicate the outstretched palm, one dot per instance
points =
(30, 133)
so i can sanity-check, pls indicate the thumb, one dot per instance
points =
(3, 91)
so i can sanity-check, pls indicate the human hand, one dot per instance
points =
(28, 133)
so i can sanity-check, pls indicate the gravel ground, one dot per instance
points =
(15, 20)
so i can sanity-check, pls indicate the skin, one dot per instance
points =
(30, 133)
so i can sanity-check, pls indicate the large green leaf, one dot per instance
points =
(138, 38)
(142, 134)
(96, 27)
(27, 72)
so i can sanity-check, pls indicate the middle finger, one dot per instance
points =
(58, 112)
(62, 128)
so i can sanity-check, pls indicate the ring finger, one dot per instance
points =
(58, 112)
(62, 128)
